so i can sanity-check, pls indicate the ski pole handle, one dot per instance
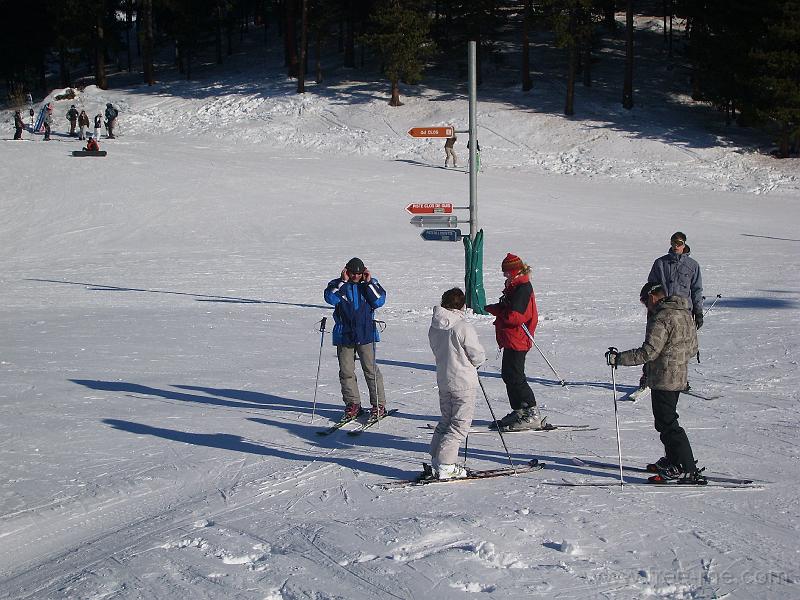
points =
(322, 324)
(612, 353)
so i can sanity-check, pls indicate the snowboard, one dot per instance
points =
(88, 153)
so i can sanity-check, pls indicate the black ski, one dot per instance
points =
(370, 422)
(548, 427)
(670, 484)
(426, 478)
(338, 425)
(711, 478)
(701, 396)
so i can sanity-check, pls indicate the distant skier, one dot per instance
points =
(98, 123)
(31, 113)
(670, 342)
(517, 307)
(458, 354)
(19, 125)
(48, 122)
(355, 295)
(449, 151)
(83, 124)
(679, 275)
(111, 119)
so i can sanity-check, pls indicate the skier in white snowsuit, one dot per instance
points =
(458, 354)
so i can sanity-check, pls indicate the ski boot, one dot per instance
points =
(513, 417)
(352, 411)
(670, 473)
(451, 472)
(694, 478)
(529, 420)
(658, 466)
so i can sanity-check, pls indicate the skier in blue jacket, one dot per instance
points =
(355, 295)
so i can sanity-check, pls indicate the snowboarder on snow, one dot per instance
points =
(83, 125)
(517, 307)
(19, 125)
(355, 295)
(670, 342)
(92, 145)
(458, 354)
(111, 119)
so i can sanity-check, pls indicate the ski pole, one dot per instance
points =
(708, 310)
(319, 363)
(552, 368)
(611, 351)
(502, 439)
(466, 447)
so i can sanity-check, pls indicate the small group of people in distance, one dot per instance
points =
(674, 303)
(76, 119)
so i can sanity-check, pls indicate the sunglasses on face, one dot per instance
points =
(678, 243)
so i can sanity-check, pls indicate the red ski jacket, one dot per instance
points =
(517, 306)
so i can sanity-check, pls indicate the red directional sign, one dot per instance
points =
(431, 132)
(430, 208)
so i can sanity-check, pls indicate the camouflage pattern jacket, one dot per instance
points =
(669, 345)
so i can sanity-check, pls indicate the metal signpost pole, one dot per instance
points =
(473, 139)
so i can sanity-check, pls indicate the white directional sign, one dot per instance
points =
(435, 221)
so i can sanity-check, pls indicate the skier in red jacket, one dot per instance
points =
(517, 307)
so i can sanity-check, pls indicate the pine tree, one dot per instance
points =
(401, 36)
(776, 61)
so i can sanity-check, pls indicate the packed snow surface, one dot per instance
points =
(159, 314)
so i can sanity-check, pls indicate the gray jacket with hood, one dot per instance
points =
(457, 350)
(669, 345)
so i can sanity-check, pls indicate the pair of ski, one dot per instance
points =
(363, 426)
(545, 429)
(644, 391)
(427, 477)
(714, 481)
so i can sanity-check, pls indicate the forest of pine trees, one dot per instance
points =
(744, 56)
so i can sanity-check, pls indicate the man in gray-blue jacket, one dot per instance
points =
(679, 275)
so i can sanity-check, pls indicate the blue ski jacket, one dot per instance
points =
(680, 276)
(354, 307)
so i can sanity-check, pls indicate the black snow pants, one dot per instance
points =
(520, 394)
(677, 448)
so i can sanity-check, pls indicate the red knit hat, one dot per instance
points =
(512, 264)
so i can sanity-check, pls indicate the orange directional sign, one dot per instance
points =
(430, 208)
(431, 132)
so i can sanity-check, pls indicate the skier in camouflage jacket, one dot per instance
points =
(670, 342)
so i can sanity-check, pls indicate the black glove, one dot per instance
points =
(611, 357)
(698, 320)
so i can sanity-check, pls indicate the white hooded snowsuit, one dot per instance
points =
(458, 353)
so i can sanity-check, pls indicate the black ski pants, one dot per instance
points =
(520, 394)
(677, 448)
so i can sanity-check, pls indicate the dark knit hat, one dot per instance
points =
(649, 288)
(355, 265)
(678, 235)
(512, 263)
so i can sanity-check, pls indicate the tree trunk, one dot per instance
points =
(146, 15)
(527, 84)
(627, 89)
(128, 27)
(99, 50)
(569, 107)
(289, 40)
(318, 52)
(301, 72)
(63, 66)
(349, 37)
(395, 101)
(218, 33)
(587, 63)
